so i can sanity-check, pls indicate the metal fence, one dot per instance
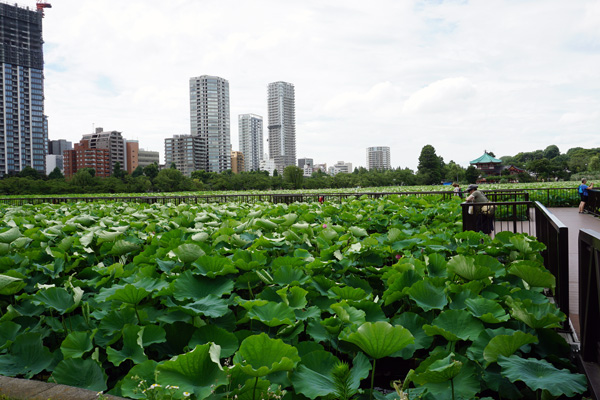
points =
(555, 197)
(589, 306)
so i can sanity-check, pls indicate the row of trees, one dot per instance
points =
(548, 164)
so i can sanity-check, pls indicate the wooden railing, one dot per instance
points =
(555, 235)
(589, 307)
(534, 219)
(592, 205)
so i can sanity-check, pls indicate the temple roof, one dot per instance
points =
(485, 158)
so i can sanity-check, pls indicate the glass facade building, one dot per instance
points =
(250, 128)
(282, 124)
(209, 119)
(23, 125)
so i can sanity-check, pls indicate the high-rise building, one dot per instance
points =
(132, 148)
(251, 140)
(185, 151)
(23, 125)
(147, 157)
(58, 146)
(112, 141)
(209, 117)
(378, 157)
(237, 162)
(282, 124)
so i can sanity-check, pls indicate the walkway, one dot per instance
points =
(575, 221)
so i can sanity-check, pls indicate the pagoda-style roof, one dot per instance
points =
(485, 159)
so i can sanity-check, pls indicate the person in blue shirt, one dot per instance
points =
(583, 193)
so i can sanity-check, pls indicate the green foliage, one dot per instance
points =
(219, 300)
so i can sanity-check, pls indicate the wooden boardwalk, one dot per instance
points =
(575, 221)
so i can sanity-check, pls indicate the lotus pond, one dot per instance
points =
(384, 299)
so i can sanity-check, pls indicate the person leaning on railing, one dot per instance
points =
(583, 193)
(484, 215)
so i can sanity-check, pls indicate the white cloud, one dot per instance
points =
(447, 94)
(514, 75)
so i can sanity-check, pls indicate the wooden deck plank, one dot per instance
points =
(575, 221)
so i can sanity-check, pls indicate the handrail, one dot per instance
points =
(589, 307)
(555, 235)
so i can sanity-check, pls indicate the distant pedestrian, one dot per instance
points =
(457, 189)
(583, 194)
(321, 199)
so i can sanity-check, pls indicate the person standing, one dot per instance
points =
(484, 215)
(583, 194)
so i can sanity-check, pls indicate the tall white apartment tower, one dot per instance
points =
(251, 140)
(282, 124)
(209, 118)
(378, 157)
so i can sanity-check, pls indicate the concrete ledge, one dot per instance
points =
(25, 389)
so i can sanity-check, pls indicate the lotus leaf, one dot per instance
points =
(188, 286)
(466, 384)
(188, 252)
(439, 371)
(10, 235)
(130, 384)
(533, 273)
(467, 268)
(487, 310)
(133, 348)
(197, 372)
(455, 325)
(151, 334)
(76, 344)
(348, 314)
(540, 374)
(427, 295)
(313, 375)
(212, 266)
(506, 345)
(122, 247)
(357, 231)
(27, 356)
(294, 297)
(348, 293)
(8, 333)
(380, 339)
(414, 323)
(536, 315)
(10, 285)
(398, 285)
(212, 333)
(85, 374)
(273, 314)
(259, 355)
(129, 294)
(290, 275)
(210, 306)
(57, 298)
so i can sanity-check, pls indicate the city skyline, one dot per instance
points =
(462, 76)
(282, 124)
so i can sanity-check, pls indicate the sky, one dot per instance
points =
(506, 76)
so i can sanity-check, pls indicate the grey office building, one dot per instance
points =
(209, 117)
(23, 128)
(251, 140)
(282, 124)
(58, 146)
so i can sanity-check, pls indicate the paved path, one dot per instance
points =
(575, 221)
(35, 390)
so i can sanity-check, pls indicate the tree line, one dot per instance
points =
(547, 164)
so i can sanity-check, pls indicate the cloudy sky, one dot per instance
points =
(464, 76)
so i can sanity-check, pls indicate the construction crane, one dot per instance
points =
(41, 4)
